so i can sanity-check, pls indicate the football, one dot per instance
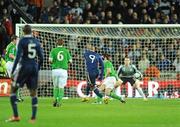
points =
(138, 75)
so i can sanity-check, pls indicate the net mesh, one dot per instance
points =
(155, 50)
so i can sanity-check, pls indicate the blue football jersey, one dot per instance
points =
(93, 60)
(27, 50)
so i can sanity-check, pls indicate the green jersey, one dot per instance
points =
(10, 49)
(108, 64)
(60, 57)
(127, 71)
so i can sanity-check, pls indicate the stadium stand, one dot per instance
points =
(97, 12)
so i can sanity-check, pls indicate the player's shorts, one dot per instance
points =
(128, 79)
(59, 77)
(91, 78)
(28, 75)
(109, 82)
(9, 66)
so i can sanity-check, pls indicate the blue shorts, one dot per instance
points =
(27, 74)
(91, 78)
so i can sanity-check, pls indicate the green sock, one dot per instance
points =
(17, 93)
(113, 95)
(61, 94)
(99, 99)
(55, 93)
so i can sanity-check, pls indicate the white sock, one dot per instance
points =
(141, 92)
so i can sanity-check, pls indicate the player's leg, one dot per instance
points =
(62, 81)
(55, 89)
(34, 103)
(13, 101)
(32, 85)
(96, 90)
(18, 82)
(9, 66)
(139, 89)
(88, 88)
(110, 82)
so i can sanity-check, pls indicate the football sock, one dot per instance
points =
(14, 104)
(61, 94)
(99, 99)
(56, 92)
(141, 92)
(34, 107)
(88, 89)
(96, 91)
(113, 95)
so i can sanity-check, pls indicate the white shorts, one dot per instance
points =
(9, 66)
(109, 82)
(59, 77)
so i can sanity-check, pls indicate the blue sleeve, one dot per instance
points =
(40, 55)
(102, 67)
(18, 56)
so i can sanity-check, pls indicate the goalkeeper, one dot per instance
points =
(110, 80)
(129, 73)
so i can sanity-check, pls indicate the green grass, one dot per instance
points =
(73, 113)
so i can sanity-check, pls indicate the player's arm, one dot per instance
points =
(108, 71)
(12, 56)
(18, 55)
(51, 57)
(119, 71)
(102, 68)
(40, 55)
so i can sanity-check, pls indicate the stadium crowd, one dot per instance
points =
(101, 12)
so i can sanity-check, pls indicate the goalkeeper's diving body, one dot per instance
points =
(59, 59)
(127, 73)
(110, 78)
(93, 63)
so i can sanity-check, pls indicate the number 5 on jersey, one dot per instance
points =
(31, 50)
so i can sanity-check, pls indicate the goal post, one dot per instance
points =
(154, 49)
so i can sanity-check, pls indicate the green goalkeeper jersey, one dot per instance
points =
(127, 71)
(10, 49)
(108, 64)
(60, 57)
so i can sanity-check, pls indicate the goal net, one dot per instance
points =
(154, 49)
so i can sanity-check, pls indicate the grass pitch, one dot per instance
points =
(74, 113)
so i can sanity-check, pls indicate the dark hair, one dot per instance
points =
(106, 55)
(13, 37)
(27, 29)
(60, 41)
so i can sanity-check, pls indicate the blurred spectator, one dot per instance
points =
(38, 4)
(143, 64)
(3, 36)
(176, 64)
(152, 71)
(2, 67)
(134, 54)
(164, 64)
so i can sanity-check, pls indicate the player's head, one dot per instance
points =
(14, 38)
(60, 41)
(106, 56)
(90, 47)
(127, 60)
(27, 29)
